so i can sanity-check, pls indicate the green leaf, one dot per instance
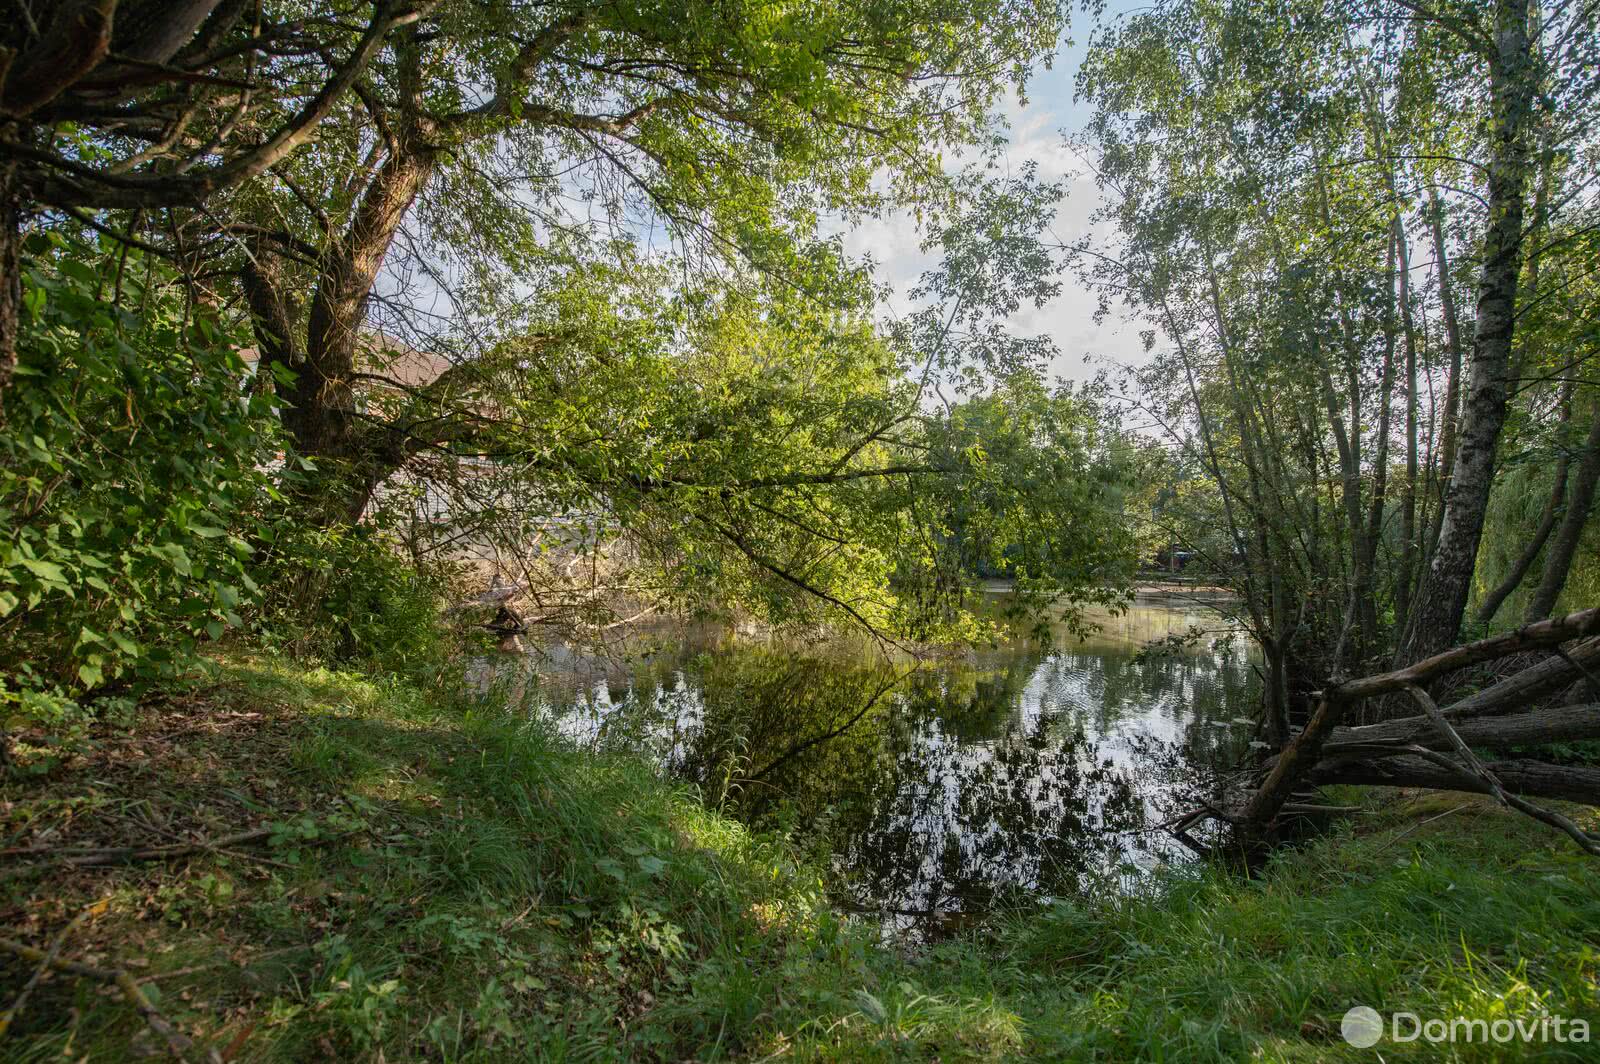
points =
(44, 570)
(176, 555)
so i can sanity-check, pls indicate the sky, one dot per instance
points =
(1036, 134)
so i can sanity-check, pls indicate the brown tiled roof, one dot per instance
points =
(386, 356)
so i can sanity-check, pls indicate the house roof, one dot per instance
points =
(386, 356)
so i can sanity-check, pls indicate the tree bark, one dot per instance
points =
(352, 456)
(73, 42)
(1559, 725)
(1437, 617)
(1408, 501)
(1450, 427)
(1532, 779)
(1558, 563)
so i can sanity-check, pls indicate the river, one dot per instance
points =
(942, 790)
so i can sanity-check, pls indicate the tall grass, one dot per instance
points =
(448, 880)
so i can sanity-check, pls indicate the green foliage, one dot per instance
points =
(731, 128)
(1297, 192)
(481, 891)
(346, 594)
(131, 475)
(1042, 478)
(757, 451)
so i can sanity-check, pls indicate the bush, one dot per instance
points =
(347, 595)
(133, 466)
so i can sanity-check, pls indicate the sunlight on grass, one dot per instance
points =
(447, 878)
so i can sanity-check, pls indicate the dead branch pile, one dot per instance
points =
(1438, 747)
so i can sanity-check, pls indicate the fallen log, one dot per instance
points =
(1563, 724)
(1530, 779)
(1470, 760)
(1537, 681)
(1304, 752)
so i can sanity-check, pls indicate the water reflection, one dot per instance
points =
(939, 789)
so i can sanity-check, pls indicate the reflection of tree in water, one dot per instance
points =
(1019, 770)
(955, 825)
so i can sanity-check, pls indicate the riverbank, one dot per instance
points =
(413, 875)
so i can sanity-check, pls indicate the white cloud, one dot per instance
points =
(1036, 135)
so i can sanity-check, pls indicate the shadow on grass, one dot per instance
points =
(443, 879)
(446, 880)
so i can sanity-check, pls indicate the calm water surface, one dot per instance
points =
(943, 789)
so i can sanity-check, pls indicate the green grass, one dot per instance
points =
(448, 882)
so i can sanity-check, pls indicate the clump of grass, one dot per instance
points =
(448, 880)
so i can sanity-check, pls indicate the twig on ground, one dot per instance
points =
(1414, 827)
(179, 1043)
(49, 959)
(89, 857)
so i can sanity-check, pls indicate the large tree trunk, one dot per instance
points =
(1564, 547)
(1436, 619)
(352, 456)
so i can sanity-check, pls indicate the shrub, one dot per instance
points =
(347, 595)
(133, 472)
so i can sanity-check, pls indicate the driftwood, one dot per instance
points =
(1435, 749)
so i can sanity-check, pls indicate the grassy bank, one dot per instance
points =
(440, 880)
